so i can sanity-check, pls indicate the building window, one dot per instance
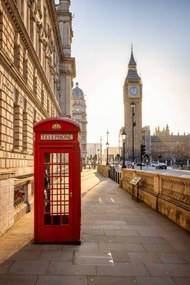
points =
(35, 83)
(35, 116)
(31, 28)
(1, 29)
(17, 122)
(25, 127)
(48, 107)
(45, 17)
(17, 129)
(25, 66)
(25, 145)
(39, 47)
(1, 120)
(27, 18)
(17, 51)
(42, 95)
(22, 9)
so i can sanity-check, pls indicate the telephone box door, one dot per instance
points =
(57, 193)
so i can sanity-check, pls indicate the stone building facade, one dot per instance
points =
(36, 73)
(80, 115)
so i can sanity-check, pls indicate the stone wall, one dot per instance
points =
(6, 201)
(103, 169)
(165, 193)
(23, 196)
(16, 198)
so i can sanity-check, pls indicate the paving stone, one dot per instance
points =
(120, 246)
(171, 257)
(172, 270)
(155, 281)
(36, 246)
(66, 268)
(18, 279)
(159, 248)
(134, 247)
(180, 245)
(143, 257)
(185, 255)
(5, 266)
(146, 240)
(93, 258)
(149, 233)
(182, 281)
(61, 280)
(88, 246)
(28, 255)
(111, 222)
(65, 255)
(120, 256)
(121, 233)
(123, 269)
(114, 227)
(96, 238)
(86, 229)
(93, 280)
(29, 267)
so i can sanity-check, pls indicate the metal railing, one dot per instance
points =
(114, 174)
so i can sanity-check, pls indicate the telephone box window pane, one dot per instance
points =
(56, 188)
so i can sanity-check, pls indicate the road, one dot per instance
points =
(169, 170)
(177, 172)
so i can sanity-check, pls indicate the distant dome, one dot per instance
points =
(77, 91)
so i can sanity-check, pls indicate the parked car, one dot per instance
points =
(161, 165)
(128, 164)
(154, 163)
(140, 164)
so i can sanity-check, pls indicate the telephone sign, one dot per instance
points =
(57, 192)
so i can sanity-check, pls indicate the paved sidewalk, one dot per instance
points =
(123, 242)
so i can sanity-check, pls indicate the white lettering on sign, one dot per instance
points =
(56, 137)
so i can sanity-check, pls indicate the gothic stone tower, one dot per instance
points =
(132, 95)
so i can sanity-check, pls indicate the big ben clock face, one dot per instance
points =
(133, 91)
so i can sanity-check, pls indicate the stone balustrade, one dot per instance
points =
(163, 192)
(103, 169)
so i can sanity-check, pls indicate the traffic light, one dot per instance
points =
(143, 150)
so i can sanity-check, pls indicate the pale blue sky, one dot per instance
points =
(160, 33)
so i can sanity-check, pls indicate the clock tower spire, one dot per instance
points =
(132, 96)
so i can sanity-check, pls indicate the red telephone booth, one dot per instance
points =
(57, 193)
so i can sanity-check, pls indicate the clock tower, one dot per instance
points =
(132, 96)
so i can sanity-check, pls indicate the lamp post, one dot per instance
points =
(98, 156)
(123, 135)
(133, 132)
(107, 145)
(101, 150)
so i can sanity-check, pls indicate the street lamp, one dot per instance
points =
(101, 150)
(123, 135)
(107, 145)
(133, 132)
(98, 158)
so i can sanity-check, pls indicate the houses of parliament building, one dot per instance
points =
(163, 145)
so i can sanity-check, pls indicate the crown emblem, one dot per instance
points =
(56, 126)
